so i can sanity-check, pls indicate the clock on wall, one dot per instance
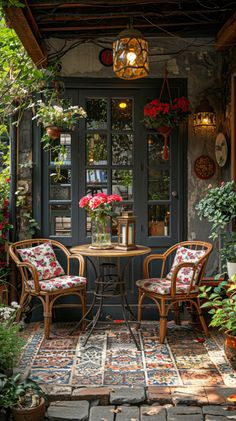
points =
(221, 149)
(106, 57)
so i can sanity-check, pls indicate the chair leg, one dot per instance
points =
(163, 321)
(141, 296)
(201, 318)
(84, 305)
(23, 297)
(47, 317)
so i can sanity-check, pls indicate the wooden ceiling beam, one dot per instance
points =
(17, 20)
(226, 37)
(88, 3)
(121, 26)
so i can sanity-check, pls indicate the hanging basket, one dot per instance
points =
(53, 132)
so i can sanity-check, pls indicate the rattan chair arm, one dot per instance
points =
(80, 258)
(149, 259)
(34, 272)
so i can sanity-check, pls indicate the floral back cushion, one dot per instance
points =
(184, 255)
(44, 259)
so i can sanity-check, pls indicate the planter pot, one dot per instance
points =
(230, 349)
(231, 269)
(53, 132)
(36, 413)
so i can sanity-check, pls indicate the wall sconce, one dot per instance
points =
(126, 231)
(204, 116)
(130, 55)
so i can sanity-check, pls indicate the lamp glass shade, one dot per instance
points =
(204, 115)
(130, 55)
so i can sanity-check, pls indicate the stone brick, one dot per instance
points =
(128, 413)
(127, 395)
(100, 413)
(191, 395)
(161, 395)
(101, 394)
(213, 418)
(217, 410)
(56, 393)
(146, 413)
(184, 413)
(68, 411)
(218, 395)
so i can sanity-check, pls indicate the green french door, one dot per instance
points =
(112, 152)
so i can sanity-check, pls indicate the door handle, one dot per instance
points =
(174, 193)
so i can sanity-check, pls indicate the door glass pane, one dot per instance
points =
(96, 152)
(155, 149)
(122, 114)
(96, 109)
(158, 184)
(60, 189)
(65, 140)
(122, 149)
(60, 220)
(122, 183)
(158, 220)
(96, 181)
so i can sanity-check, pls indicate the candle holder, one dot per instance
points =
(126, 231)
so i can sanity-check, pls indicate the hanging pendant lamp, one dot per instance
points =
(130, 55)
(204, 115)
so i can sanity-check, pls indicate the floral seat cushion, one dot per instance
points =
(60, 282)
(163, 286)
(185, 255)
(44, 260)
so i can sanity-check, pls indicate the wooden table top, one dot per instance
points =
(85, 250)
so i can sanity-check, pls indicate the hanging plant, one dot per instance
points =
(55, 118)
(162, 116)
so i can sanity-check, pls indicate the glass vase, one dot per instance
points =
(101, 233)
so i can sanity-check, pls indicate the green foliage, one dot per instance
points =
(218, 207)
(4, 208)
(221, 302)
(15, 392)
(11, 343)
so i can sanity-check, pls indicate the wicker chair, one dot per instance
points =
(44, 278)
(179, 285)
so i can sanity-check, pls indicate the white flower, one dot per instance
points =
(14, 304)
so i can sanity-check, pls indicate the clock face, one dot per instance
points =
(106, 56)
(221, 149)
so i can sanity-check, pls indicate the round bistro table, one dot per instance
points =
(108, 283)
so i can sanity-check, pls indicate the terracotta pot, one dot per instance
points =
(53, 132)
(230, 349)
(164, 130)
(36, 413)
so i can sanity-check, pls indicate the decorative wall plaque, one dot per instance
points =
(204, 167)
(221, 149)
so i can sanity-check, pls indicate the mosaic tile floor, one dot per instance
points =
(111, 358)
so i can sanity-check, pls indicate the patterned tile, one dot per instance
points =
(126, 378)
(110, 356)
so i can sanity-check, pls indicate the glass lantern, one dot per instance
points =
(126, 231)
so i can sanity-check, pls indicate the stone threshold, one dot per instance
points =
(160, 395)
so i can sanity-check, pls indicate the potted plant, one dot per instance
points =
(11, 343)
(23, 398)
(219, 208)
(221, 302)
(228, 254)
(163, 116)
(57, 116)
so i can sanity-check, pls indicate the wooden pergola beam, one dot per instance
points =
(16, 19)
(226, 37)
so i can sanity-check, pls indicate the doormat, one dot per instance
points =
(110, 357)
